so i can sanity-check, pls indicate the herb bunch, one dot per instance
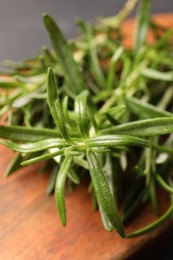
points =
(93, 106)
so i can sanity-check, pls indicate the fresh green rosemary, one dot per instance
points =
(92, 105)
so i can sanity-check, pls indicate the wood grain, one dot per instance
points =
(30, 227)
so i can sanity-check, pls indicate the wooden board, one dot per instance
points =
(30, 227)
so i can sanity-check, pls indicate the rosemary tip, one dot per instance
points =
(50, 71)
(44, 15)
(45, 18)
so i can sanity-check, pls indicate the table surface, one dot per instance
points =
(22, 34)
(30, 227)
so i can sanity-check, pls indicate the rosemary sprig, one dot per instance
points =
(91, 105)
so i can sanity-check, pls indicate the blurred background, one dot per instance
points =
(22, 31)
(22, 34)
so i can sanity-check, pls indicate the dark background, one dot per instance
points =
(22, 34)
(22, 31)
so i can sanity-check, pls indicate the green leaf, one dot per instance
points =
(153, 195)
(73, 176)
(52, 180)
(115, 112)
(158, 75)
(109, 172)
(60, 188)
(27, 134)
(143, 20)
(103, 193)
(42, 157)
(65, 110)
(11, 85)
(153, 225)
(109, 176)
(48, 57)
(147, 127)
(36, 146)
(111, 72)
(163, 148)
(94, 64)
(114, 22)
(63, 52)
(144, 109)
(115, 140)
(163, 184)
(14, 165)
(55, 105)
(106, 223)
(81, 162)
(81, 112)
